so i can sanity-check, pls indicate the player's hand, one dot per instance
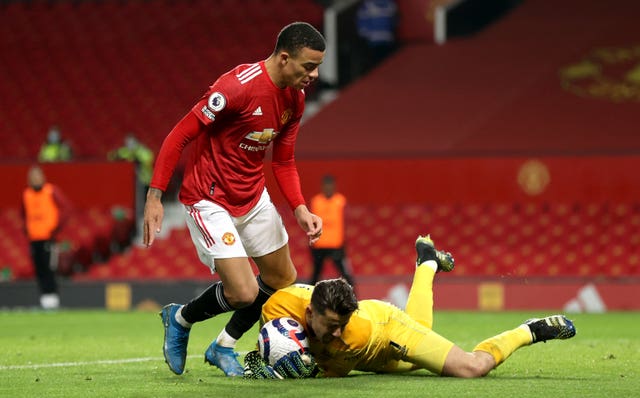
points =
(256, 368)
(153, 215)
(295, 365)
(309, 222)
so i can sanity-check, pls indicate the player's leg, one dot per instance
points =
(218, 247)
(236, 276)
(495, 350)
(420, 301)
(411, 345)
(221, 351)
(422, 348)
(276, 271)
(265, 240)
(428, 261)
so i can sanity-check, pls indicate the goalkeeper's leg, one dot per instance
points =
(429, 261)
(495, 350)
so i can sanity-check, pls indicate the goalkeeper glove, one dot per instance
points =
(295, 365)
(256, 368)
(292, 366)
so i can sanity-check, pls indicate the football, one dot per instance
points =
(281, 336)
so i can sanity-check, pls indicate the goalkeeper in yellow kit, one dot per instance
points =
(375, 336)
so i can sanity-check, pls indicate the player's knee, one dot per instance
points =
(242, 298)
(468, 365)
(468, 370)
(290, 277)
(281, 279)
(475, 369)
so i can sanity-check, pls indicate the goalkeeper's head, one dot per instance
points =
(333, 301)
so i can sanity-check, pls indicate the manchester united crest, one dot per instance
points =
(228, 238)
(533, 177)
(286, 115)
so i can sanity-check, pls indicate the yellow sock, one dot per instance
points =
(504, 344)
(420, 301)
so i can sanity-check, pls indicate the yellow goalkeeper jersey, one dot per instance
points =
(365, 343)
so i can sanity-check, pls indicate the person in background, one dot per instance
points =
(45, 210)
(55, 149)
(135, 151)
(329, 205)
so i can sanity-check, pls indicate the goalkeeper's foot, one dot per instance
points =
(176, 338)
(426, 251)
(551, 327)
(224, 358)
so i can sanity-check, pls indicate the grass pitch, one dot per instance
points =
(118, 354)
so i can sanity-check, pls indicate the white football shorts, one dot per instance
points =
(217, 234)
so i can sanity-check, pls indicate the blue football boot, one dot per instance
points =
(176, 338)
(224, 358)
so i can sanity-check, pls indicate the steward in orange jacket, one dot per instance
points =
(45, 209)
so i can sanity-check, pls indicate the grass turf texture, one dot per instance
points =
(118, 354)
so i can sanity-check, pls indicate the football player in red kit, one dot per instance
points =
(228, 210)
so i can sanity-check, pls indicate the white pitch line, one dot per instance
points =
(83, 363)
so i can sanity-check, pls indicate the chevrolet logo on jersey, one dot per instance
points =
(264, 137)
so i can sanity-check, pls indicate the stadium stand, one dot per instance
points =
(102, 68)
(508, 91)
(488, 239)
(90, 236)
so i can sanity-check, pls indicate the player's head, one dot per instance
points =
(333, 301)
(299, 51)
(298, 35)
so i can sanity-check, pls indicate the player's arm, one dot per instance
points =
(184, 132)
(286, 175)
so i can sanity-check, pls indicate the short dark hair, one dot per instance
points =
(335, 295)
(298, 35)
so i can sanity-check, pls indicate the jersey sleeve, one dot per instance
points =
(223, 97)
(185, 131)
(283, 163)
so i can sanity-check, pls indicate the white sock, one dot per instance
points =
(181, 320)
(431, 264)
(224, 340)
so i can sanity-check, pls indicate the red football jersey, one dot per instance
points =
(240, 115)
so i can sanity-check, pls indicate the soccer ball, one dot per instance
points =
(281, 336)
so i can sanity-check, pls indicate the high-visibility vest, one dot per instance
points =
(331, 210)
(54, 153)
(41, 212)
